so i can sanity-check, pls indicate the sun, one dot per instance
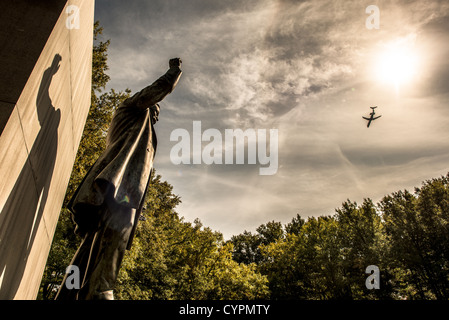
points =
(398, 64)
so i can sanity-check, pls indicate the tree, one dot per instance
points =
(416, 227)
(174, 259)
(326, 257)
(247, 245)
(362, 244)
(246, 248)
(302, 265)
(405, 235)
(295, 226)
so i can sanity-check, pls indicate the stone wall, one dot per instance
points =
(45, 89)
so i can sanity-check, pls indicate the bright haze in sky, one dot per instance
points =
(308, 69)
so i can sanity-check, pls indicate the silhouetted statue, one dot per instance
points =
(107, 204)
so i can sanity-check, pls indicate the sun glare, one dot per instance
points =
(397, 65)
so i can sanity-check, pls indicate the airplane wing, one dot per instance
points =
(365, 118)
(377, 117)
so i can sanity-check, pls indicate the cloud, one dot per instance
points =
(241, 59)
(303, 67)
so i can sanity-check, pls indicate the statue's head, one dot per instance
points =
(154, 113)
(55, 64)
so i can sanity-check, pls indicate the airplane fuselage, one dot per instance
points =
(371, 118)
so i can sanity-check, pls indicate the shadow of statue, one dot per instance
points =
(22, 212)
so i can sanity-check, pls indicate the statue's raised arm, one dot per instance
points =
(158, 90)
(107, 204)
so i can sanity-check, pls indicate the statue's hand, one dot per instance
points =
(175, 62)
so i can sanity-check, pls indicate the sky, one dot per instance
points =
(308, 69)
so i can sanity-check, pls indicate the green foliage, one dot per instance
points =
(247, 245)
(99, 60)
(63, 247)
(417, 227)
(173, 259)
(405, 235)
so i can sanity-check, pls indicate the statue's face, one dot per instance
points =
(154, 113)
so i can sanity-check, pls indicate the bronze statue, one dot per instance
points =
(107, 203)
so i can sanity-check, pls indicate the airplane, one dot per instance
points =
(372, 116)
